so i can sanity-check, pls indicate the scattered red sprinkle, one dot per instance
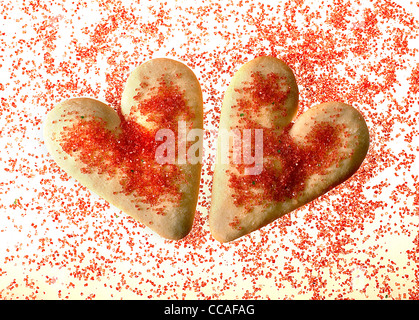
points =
(360, 240)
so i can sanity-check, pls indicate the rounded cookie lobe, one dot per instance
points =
(113, 153)
(157, 77)
(344, 155)
(301, 160)
(264, 91)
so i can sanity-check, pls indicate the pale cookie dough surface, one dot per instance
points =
(352, 149)
(170, 219)
(267, 116)
(140, 83)
(229, 220)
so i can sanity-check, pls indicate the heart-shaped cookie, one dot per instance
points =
(136, 157)
(268, 165)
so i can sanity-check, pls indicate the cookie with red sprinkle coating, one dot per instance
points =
(299, 160)
(114, 152)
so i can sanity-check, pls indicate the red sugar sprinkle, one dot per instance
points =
(165, 107)
(300, 162)
(131, 154)
(262, 91)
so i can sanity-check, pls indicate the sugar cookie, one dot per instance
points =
(113, 153)
(300, 160)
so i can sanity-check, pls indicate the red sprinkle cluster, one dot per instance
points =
(266, 90)
(166, 107)
(287, 165)
(130, 155)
